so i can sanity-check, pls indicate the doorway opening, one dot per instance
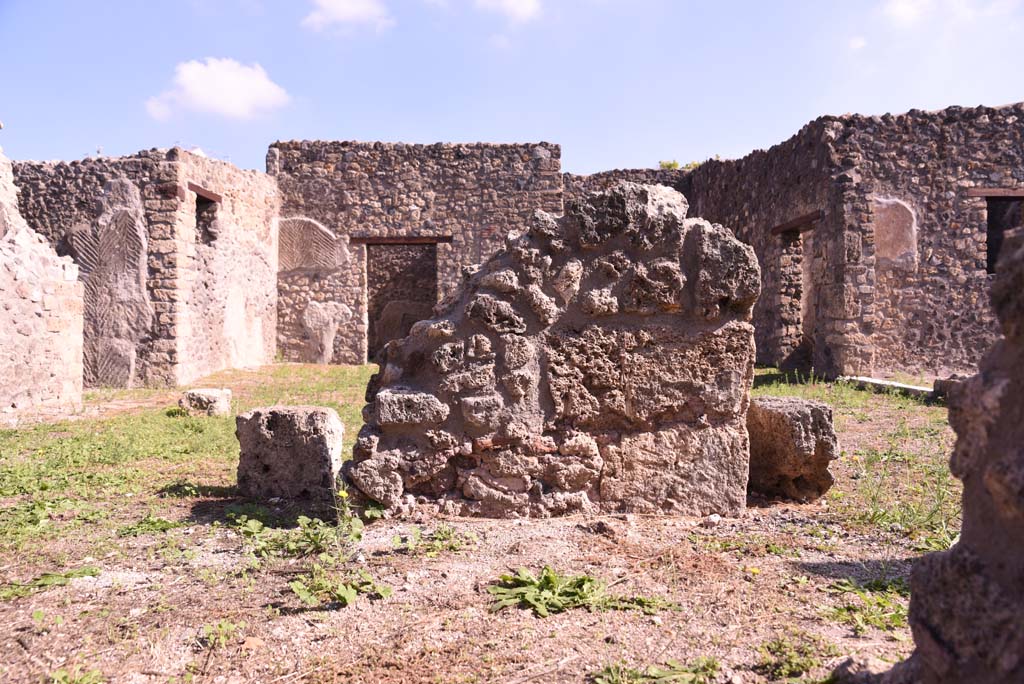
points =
(401, 281)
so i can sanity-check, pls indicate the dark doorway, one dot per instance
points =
(401, 285)
(1003, 214)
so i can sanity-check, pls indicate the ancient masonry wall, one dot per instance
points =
(40, 319)
(601, 361)
(800, 313)
(922, 284)
(132, 221)
(341, 195)
(229, 268)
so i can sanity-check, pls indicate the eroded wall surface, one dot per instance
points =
(966, 603)
(228, 266)
(467, 197)
(601, 361)
(40, 319)
(165, 302)
(575, 185)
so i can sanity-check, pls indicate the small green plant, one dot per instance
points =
(220, 634)
(76, 675)
(43, 622)
(879, 603)
(668, 165)
(319, 586)
(312, 537)
(702, 671)
(792, 655)
(442, 538)
(176, 412)
(45, 581)
(151, 524)
(552, 593)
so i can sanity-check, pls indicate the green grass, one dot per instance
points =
(791, 655)
(881, 604)
(900, 482)
(55, 478)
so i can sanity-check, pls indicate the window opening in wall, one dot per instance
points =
(206, 217)
(1004, 213)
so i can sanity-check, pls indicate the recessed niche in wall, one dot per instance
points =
(895, 229)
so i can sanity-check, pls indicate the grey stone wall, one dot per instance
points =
(198, 307)
(40, 319)
(472, 194)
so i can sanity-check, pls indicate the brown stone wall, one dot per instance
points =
(472, 193)
(199, 307)
(923, 300)
(40, 319)
(600, 361)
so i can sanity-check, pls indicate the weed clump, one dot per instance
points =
(552, 593)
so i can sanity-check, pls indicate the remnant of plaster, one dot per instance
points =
(895, 227)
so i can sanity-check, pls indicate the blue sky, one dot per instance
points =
(618, 83)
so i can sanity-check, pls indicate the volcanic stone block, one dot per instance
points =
(207, 402)
(792, 443)
(601, 361)
(966, 603)
(291, 452)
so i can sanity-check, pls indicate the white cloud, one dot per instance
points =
(515, 10)
(858, 42)
(218, 86)
(328, 13)
(909, 13)
(906, 12)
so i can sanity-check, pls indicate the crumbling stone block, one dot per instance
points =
(966, 603)
(599, 362)
(291, 452)
(207, 402)
(792, 443)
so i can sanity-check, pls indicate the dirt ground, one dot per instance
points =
(126, 556)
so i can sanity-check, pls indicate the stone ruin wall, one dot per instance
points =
(966, 603)
(924, 305)
(470, 194)
(575, 186)
(64, 201)
(40, 319)
(229, 270)
(130, 225)
(801, 317)
(600, 361)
